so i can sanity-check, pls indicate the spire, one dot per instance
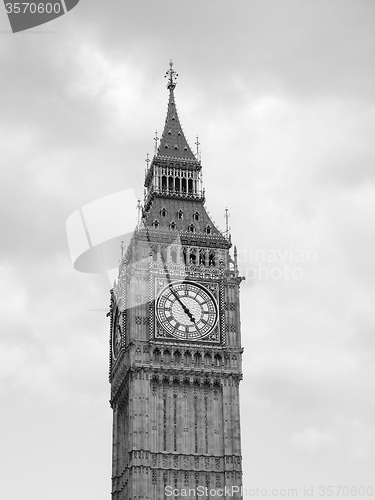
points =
(173, 142)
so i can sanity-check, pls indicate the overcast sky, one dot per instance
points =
(281, 94)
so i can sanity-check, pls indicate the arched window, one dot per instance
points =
(183, 182)
(202, 256)
(191, 228)
(190, 185)
(157, 356)
(164, 254)
(197, 358)
(177, 357)
(174, 255)
(170, 183)
(187, 358)
(155, 224)
(177, 183)
(208, 229)
(164, 182)
(193, 256)
(211, 258)
(172, 225)
(154, 252)
(180, 214)
(196, 216)
(217, 360)
(163, 212)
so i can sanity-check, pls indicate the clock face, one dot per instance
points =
(186, 310)
(117, 333)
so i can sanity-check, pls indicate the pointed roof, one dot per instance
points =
(173, 142)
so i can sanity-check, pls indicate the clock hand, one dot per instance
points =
(186, 310)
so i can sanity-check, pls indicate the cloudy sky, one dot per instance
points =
(282, 96)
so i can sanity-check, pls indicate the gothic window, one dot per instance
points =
(174, 255)
(190, 185)
(177, 183)
(157, 356)
(164, 254)
(170, 180)
(197, 359)
(184, 185)
(202, 256)
(164, 182)
(187, 358)
(196, 216)
(155, 224)
(207, 359)
(172, 225)
(208, 229)
(177, 357)
(217, 360)
(211, 258)
(163, 212)
(191, 228)
(180, 214)
(167, 356)
(193, 256)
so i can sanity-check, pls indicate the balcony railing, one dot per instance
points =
(174, 193)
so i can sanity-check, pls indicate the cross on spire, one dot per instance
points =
(172, 76)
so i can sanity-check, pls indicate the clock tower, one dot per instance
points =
(175, 342)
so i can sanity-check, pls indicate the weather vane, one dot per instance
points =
(172, 76)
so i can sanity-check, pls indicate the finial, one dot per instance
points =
(226, 215)
(156, 139)
(235, 261)
(197, 144)
(172, 76)
(122, 249)
(139, 207)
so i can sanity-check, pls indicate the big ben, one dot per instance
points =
(175, 340)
